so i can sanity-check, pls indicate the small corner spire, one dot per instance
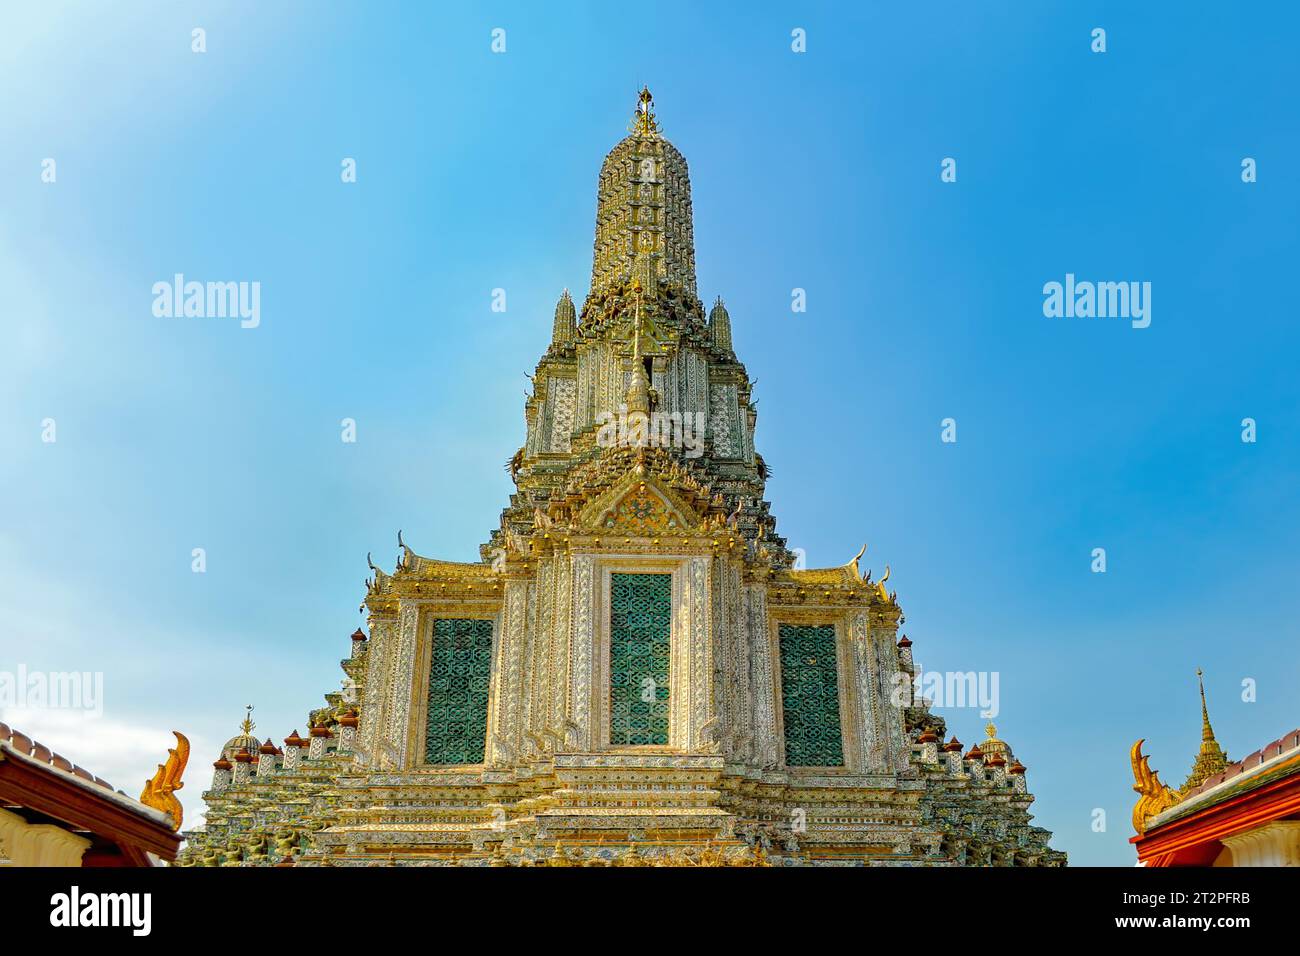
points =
(566, 318)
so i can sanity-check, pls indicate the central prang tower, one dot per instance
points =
(635, 671)
(641, 319)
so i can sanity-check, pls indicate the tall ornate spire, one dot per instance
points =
(1211, 759)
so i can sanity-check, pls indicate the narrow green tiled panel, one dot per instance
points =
(459, 668)
(810, 696)
(640, 634)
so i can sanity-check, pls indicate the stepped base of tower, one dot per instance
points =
(614, 809)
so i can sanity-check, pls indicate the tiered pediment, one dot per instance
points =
(639, 505)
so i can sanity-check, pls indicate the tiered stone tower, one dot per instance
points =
(634, 672)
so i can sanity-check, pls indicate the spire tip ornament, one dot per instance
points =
(644, 121)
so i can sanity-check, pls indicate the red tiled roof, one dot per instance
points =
(42, 754)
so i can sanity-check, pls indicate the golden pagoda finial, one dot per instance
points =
(991, 730)
(1210, 759)
(644, 121)
(247, 726)
(1207, 732)
(159, 792)
(1154, 796)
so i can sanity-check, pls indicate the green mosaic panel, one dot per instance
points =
(810, 696)
(640, 634)
(459, 667)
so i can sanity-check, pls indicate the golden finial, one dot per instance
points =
(159, 792)
(1210, 759)
(247, 726)
(644, 120)
(991, 730)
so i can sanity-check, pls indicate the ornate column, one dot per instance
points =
(220, 774)
(735, 686)
(581, 637)
(560, 628)
(375, 693)
(394, 745)
(767, 747)
(868, 747)
(1273, 844)
(695, 718)
(511, 744)
(41, 844)
(500, 750)
(885, 747)
(266, 762)
(320, 740)
(243, 770)
(348, 732)
(293, 745)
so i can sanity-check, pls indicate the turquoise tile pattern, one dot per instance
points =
(640, 637)
(810, 697)
(460, 666)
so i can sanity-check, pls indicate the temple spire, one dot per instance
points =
(720, 326)
(1207, 732)
(643, 213)
(566, 318)
(1210, 759)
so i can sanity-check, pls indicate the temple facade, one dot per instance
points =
(635, 671)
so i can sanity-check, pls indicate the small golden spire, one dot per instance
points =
(1207, 732)
(247, 726)
(991, 730)
(1210, 759)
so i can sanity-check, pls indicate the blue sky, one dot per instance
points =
(818, 171)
